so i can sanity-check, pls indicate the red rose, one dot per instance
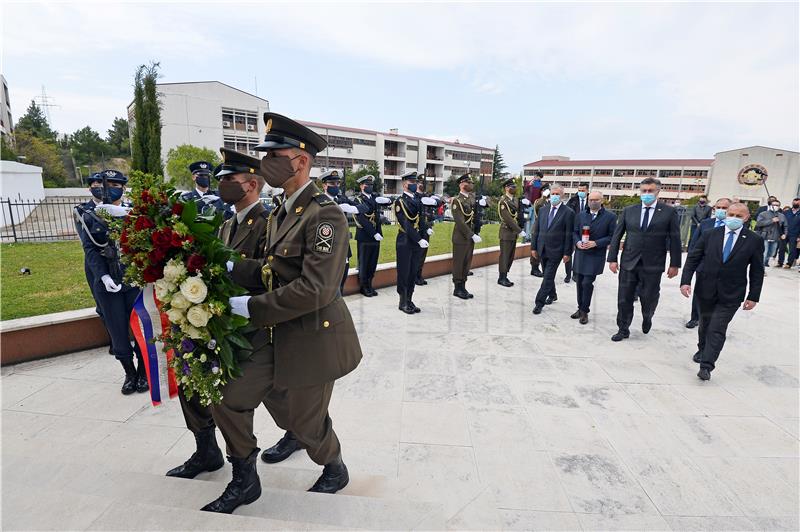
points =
(176, 240)
(143, 222)
(152, 273)
(162, 239)
(156, 256)
(177, 209)
(123, 237)
(195, 263)
(146, 196)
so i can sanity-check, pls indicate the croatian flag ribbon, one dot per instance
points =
(148, 322)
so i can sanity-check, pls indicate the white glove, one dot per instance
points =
(117, 211)
(428, 201)
(482, 201)
(526, 201)
(378, 237)
(346, 207)
(209, 199)
(229, 266)
(476, 238)
(430, 232)
(239, 305)
(110, 285)
(522, 234)
(423, 244)
(383, 200)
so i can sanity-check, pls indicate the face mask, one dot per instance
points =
(581, 194)
(332, 190)
(114, 194)
(97, 192)
(774, 208)
(702, 202)
(555, 199)
(202, 181)
(733, 223)
(368, 189)
(795, 205)
(511, 191)
(545, 193)
(594, 205)
(648, 198)
(231, 191)
(277, 170)
(720, 214)
(412, 187)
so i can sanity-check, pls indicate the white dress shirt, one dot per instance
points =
(735, 237)
(241, 215)
(650, 213)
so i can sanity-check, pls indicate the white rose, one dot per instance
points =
(178, 301)
(164, 289)
(174, 270)
(198, 316)
(194, 289)
(175, 315)
(191, 331)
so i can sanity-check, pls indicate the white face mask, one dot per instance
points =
(546, 193)
(774, 208)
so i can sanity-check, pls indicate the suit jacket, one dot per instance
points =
(650, 246)
(463, 211)
(313, 334)
(369, 222)
(575, 202)
(250, 235)
(706, 225)
(726, 281)
(593, 261)
(507, 209)
(554, 241)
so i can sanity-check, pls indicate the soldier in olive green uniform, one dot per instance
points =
(464, 239)
(312, 340)
(508, 209)
(240, 186)
(543, 200)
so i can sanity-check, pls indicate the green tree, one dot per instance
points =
(87, 147)
(499, 166)
(179, 159)
(41, 153)
(351, 178)
(147, 121)
(34, 123)
(118, 138)
(7, 152)
(450, 186)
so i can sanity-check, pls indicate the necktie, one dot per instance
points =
(594, 215)
(726, 251)
(718, 223)
(550, 218)
(646, 219)
(281, 214)
(582, 206)
(234, 227)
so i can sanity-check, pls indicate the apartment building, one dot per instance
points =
(6, 122)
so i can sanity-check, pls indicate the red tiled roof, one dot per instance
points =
(624, 162)
(372, 132)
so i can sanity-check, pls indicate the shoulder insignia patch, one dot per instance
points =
(322, 199)
(324, 240)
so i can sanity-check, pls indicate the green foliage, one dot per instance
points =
(450, 186)
(7, 152)
(620, 202)
(499, 165)
(118, 138)
(147, 121)
(39, 152)
(351, 178)
(34, 123)
(179, 159)
(87, 147)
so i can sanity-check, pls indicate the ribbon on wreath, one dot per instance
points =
(147, 323)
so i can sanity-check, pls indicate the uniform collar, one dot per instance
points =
(291, 199)
(241, 215)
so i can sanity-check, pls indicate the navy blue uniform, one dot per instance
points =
(412, 229)
(218, 204)
(368, 224)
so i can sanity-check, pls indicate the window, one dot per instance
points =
(602, 172)
(582, 172)
(563, 172)
(364, 142)
(646, 173)
(463, 156)
(412, 147)
(669, 173)
(695, 173)
(623, 173)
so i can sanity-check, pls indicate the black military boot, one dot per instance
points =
(207, 457)
(141, 375)
(129, 386)
(244, 488)
(503, 280)
(413, 307)
(282, 450)
(334, 477)
(404, 305)
(464, 286)
(459, 290)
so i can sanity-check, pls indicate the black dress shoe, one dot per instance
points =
(584, 318)
(141, 376)
(244, 488)
(407, 309)
(567, 279)
(364, 291)
(129, 386)
(470, 273)
(536, 272)
(550, 300)
(420, 282)
(575, 315)
(691, 324)
(207, 457)
(647, 324)
(460, 292)
(696, 357)
(503, 281)
(334, 477)
(537, 309)
(372, 290)
(619, 336)
(282, 450)
(704, 374)
(413, 307)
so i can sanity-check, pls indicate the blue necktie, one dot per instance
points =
(718, 223)
(726, 251)
(646, 218)
(550, 218)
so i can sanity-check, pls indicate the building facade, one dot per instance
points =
(6, 122)
(754, 173)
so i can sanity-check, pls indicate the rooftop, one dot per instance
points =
(621, 162)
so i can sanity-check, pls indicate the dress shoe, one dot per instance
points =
(413, 307)
(536, 272)
(334, 477)
(141, 376)
(282, 450)
(696, 357)
(537, 309)
(691, 324)
(129, 386)
(460, 292)
(704, 374)
(550, 300)
(647, 323)
(567, 279)
(364, 291)
(584, 318)
(420, 282)
(575, 315)
(372, 290)
(207, 457)
(470, 273)
(619, 336)
(503, 281)
(244, 487)
(404, 305)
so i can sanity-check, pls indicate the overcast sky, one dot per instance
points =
(583, 80)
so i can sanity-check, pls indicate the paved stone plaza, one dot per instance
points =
(472, 415)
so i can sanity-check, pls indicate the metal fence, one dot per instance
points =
(37, 221)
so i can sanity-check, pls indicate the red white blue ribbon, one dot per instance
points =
(147, 323)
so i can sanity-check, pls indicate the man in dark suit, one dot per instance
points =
(552, 243)
(593, 230)
(649, 230)
(578, 203)
(727, 255)
(717, 219)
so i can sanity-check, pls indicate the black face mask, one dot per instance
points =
(368, 189)
(796, 205)
(202, 181)
(277, 169)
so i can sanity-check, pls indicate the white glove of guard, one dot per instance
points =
(239, 305)
(229, 266)
(522, 234)
(423, 244)
(346, 207)
(428, 201)
(110, 285)
(378, 237)
(476, 238)
(526, 201)
(209, 198)
(382, 200)
(430, 232)
(482, 201)
(117, 211)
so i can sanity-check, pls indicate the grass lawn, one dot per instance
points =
(57, 281)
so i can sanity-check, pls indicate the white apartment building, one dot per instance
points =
(208, 114)
(6, 122)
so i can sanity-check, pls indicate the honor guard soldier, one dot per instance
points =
(311, 338)
(464, 238)
(369, 233)
(411, 241)
(428, 204)
(202, 193)
(510, 230)
(105, 272)
(78, 211)
(240, 183)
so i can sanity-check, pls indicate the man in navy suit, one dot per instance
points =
(729, 255)
(590, 256)
(552, 243)
(717, 219)
(649, 230)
